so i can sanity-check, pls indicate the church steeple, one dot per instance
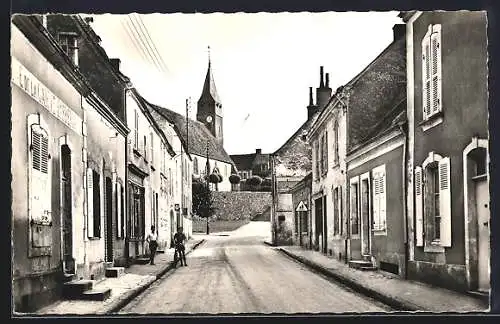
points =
(209, 104)
(209, 89)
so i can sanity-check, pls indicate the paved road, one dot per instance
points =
(239, 274)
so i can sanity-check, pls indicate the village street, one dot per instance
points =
(237, 273)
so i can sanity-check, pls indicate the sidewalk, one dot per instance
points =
(404, 295)
(136, 279)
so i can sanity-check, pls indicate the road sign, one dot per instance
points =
(301, 207)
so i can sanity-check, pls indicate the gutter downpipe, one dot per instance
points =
(404, 170)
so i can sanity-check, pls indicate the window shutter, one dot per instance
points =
(151, 148)
(326, 151)
(118, 211)
(426, 76)
(136, 130)
(376, 202)
(436, 68)
(445, 201)
(40, 190)
(46, 189)
(341, 211)
(419, 215)
(90, 203)
(382, 201)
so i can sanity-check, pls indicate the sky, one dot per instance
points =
(263, 63)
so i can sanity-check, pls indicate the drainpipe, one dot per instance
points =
(403, 181)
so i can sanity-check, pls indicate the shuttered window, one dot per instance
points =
(336, 214)
(136, 129)
(40, 182)
(151, 148)
(336, 142)
(354, 199)
(433, 203)
(379, 199)
(431, 71)
(419, 215)
(93, 204)
(444, 202)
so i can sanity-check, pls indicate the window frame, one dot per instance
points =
(354, 182)
(431, 67)
(379, 180)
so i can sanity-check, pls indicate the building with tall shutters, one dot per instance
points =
(59, 233)
(448, 199)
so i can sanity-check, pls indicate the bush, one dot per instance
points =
(234, 179)
(254, 181)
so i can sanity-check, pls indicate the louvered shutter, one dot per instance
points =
(326, 151)
(45, 187)
(136, 130)
(383, 201)
(436, 68)
(118, 211)
(445, 201)
(419, 215)
(426, 76)
(90, 203)
(36, 176)
(376, 202)
(151, 148)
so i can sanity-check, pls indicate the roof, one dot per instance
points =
(197, 136)
(248, 161)
(376, 93)
(209, 86)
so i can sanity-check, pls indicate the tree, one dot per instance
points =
(203, 201)
(234, 179)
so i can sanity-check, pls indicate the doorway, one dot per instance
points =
(109, 220)
(67, 211)
(318, 217)
(365, 218)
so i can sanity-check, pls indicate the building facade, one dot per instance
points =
(448, 197)
(302, 202)
(254, 164)
(290, 164)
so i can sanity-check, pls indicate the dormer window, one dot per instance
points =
(69, 44)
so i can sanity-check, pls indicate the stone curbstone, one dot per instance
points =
(129, 296)
(384, 298)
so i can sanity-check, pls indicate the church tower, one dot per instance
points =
(209, 105)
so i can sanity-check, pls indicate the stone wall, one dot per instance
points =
(235, 205)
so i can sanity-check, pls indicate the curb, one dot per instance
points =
(119, 304)
(388, 300)
(269, 243)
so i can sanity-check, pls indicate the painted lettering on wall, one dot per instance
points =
(38, 91)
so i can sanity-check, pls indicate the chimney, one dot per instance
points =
(311, 100)
(258, 151)
(321, 83)
(323, 93)
(115, 62)
(399, 31)
(311, 109)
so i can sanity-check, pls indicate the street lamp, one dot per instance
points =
(209, 120)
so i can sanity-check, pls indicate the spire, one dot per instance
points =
(209, 85)
(321, 74)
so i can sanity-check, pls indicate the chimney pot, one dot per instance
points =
(321, 83)
(399, 31)
(115, 62)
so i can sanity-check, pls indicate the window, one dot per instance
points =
(337, 211)
(145, 148)
(336, 142)
(379, 199)
(136, 130)
(433, 202)
(40, 180)
(93, 204)
(195, 165)
(354, 195)
(431, 72)
(151, 148)
(69, 44)
(170, 187)
(316, 158)
(324, 154)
